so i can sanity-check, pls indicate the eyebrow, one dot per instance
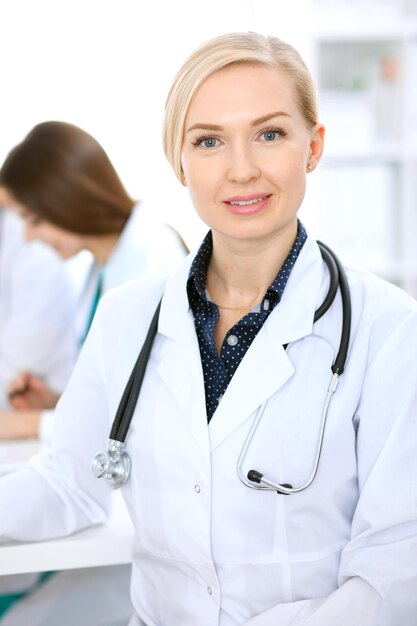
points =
(259, 120)
(265, 118)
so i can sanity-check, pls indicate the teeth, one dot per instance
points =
(244, 203)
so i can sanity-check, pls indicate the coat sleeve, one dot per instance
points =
(378, 568)
(57, 494)
(36, 303)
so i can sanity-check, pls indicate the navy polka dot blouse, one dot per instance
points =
(218, 369)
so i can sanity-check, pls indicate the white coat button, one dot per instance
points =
(266, 305)
(209, 591)
(232, 340)
(197, 488)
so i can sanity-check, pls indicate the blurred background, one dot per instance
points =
(106, 66)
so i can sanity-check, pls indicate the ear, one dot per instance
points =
(316, 146)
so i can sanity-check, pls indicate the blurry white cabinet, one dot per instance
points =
(363, 197)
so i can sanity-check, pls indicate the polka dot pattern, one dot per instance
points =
(218, 369)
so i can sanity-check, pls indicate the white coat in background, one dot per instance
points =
(36, 308)
(145, 247)
(209, 551)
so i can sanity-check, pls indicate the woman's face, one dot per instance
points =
(245, 152)
(66, 243)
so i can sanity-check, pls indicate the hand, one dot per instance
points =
(19, 424)
(28, 391)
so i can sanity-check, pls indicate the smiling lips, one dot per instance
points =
(247, 205)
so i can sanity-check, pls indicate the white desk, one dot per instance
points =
(107, 544)
(14, 453)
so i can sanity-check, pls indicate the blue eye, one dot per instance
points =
(272, 134)
(206, 141)
(209, 142)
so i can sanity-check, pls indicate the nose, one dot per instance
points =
(243, 166)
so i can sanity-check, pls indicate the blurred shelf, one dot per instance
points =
(364, 58)
(378, 153)
(363, 28)
(395, 271)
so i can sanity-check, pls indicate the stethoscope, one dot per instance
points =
(115, 464)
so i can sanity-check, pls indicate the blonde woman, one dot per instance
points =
(238, 373)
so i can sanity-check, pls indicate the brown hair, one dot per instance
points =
(222, 52)
(61, 174)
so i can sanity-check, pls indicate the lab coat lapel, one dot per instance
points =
(266, 366)
(264, 369)
(180, 367)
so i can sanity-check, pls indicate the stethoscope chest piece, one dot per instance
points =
(113, 465)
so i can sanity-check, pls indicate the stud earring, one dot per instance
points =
(310, 167)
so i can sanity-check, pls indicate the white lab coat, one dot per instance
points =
(208, 550)
(145, 247)
(36, 307)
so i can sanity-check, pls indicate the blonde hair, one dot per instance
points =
(217, 54)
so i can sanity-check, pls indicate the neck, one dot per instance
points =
(102, 246)
(239, 275)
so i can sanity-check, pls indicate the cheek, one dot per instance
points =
(192, 171)
(78, 245)
(68, 243)
(203, 193)
(198, 198)
(55, 240)
(200, 172)
(287, 172)
(49, 238)
(198, 180)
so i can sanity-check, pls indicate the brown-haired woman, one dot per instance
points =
(63, 184)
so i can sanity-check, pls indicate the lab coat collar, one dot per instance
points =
(117, 264)
(180, 367)
(175, 306)
(265, 367)
(292, 318)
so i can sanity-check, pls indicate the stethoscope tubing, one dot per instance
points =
(114, 465)
(131, 393)
(269, 485)
(340, 360)
(337, 279)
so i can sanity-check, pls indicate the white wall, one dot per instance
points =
(106, 66)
